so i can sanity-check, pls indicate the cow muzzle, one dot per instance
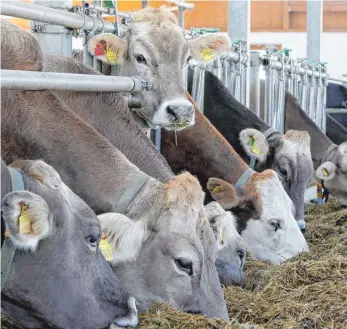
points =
(229, 275)
(175, 114)
(130, 319)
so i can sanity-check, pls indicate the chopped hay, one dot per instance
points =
(307, 292)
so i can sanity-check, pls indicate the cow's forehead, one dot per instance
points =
(161, 39)
(273, 196)
(292, 149)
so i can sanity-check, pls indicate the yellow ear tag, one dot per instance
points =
(254, 147)
(24, 221)
(112, 56)
(325, 172)
(208, 54)
(105, 248)
(216, 189)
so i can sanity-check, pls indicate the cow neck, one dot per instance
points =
(335, 130)
(203, 151)
(228, 115)
(110, 116)
(296, 118)
(87, 163)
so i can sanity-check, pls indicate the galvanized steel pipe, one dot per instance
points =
(300, 70)
(55, 16)
(30, 80)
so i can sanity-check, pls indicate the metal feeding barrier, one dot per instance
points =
(48, 18)
(231, 69)
(305, 79)
(57, 22)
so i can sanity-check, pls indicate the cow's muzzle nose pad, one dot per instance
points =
(129, 320)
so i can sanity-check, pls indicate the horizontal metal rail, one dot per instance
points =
(55, 16)
(32, 80)
(338, 80)
(288, 68)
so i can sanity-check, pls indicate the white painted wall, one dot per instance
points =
(334, 47)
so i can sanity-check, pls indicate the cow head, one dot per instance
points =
(155, 49)
(289, 155)
(167, 252)
(232, 251)
(57, 265)
(333, 172)
(264, 216)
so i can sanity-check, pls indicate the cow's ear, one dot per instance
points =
(108, 48)
(254, 143)
(209, 46)
(326, 171)
(27, 219)
(223, 192)
(123, 234)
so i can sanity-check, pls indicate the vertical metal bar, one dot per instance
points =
(324, 98)
(254, 82)
(225, 65)
(53, 39)
(237, 85)
(201, 91)
(312, 96)
(232, 77)
(304, 90)
(144, 3)
(281, 98)
(87, 57)
(314, 29)
(195, 85)
(239, 25)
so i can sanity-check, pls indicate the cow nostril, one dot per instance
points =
(170, 111)
(194, 312)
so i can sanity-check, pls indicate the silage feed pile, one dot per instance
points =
(308, 292)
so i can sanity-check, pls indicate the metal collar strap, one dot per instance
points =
(268, 132)
(245, 177)
(131, 191)
(8, 249)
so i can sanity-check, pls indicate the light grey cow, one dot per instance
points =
(155, 215)
(333, 172)
(329, 160)
(231, 247)
(58, 277)
(154, 48)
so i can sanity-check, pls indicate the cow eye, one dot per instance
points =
(93, 240)
(283, 172)
(241, 254)
(189, 58)
(141, 59)
(275, 224)
(185, 264)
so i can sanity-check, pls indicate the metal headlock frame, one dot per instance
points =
(304, 79)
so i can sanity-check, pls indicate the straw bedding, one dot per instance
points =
(307, 292)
